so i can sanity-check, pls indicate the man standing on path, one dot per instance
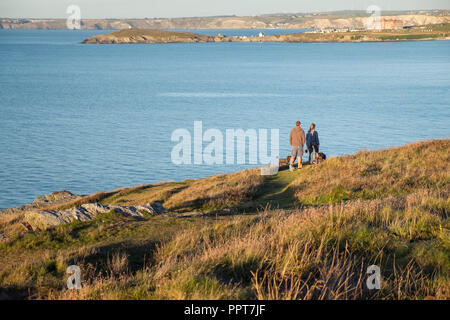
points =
(296, 140)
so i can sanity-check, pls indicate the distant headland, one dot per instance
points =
(130, 36)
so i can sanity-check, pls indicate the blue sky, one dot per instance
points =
(191, 8)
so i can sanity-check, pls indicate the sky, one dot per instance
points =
(98, 9)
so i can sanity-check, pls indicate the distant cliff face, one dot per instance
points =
(387, 22)
(258, 22)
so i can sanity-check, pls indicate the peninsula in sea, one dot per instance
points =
(128, 36)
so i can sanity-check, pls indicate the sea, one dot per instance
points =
(87, 117)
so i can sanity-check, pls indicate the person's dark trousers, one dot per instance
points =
(311, 149)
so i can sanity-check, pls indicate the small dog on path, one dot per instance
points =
(284, 162)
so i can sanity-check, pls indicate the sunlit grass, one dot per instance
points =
(388, 208)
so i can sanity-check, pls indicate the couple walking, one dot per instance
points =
(297, 141)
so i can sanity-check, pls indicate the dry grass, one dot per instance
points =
(394, 214)
(217, 192)
(10, 224)
(157, 192)
(315, 253)
(375, 175)
(96, 197)
(319, 253)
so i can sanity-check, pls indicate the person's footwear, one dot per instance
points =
(300, 165)
(290, 168)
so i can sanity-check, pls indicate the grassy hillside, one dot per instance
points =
(428, 32)
(310, 234)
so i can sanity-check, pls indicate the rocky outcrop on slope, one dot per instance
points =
(44, 201)
(46, 219)
(54, 198)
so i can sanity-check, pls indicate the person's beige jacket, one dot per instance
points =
(297, 137)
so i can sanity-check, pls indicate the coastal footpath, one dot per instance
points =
(129, 36)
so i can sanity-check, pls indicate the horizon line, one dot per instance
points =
(239, 16)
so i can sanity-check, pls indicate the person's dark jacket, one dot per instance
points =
(312, 139)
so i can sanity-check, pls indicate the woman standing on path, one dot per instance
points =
(312, 142)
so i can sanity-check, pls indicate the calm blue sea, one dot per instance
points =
(95, 117)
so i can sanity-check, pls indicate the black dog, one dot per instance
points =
(321, 157)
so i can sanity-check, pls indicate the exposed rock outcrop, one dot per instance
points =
(45, 219)
(55, 197)
(44, 201)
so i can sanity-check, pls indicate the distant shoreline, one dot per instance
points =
(137, 36)
(341, 19)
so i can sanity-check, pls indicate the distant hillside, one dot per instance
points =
(284, 21)
(310, 234)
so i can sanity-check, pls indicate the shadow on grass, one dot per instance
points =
(139, 255)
